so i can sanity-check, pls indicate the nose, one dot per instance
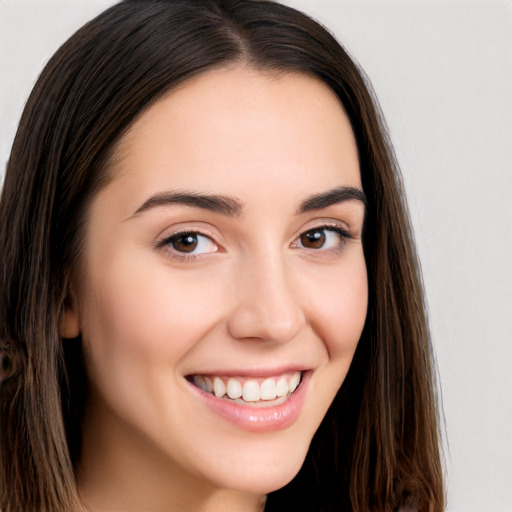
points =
(267, 305)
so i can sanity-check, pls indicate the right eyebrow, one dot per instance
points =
(215, 203)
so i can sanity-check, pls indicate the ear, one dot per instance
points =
(69, 323)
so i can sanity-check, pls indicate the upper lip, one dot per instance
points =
(252, 372)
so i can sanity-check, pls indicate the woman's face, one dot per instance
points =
(225, 256)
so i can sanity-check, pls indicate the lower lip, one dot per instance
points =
(258, 419)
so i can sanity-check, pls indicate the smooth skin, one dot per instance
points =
(254, 282)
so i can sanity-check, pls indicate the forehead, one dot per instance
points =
(237, 128)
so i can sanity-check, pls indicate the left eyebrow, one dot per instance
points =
(331, 197)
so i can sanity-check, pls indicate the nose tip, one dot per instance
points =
(267, 308)
(253, 323)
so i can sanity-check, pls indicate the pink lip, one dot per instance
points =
(256, 372)
(258, 419)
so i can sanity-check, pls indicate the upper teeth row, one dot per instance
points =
(251, 390)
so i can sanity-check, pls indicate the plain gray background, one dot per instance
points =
(442, 70)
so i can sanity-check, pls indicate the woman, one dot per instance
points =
(211, 296)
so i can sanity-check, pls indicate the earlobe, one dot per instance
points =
(69, 324)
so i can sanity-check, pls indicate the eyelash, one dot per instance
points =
(183, 256)
(333, 228)
(166, 243)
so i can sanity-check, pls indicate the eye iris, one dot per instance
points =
(313, 239)
(185, 242)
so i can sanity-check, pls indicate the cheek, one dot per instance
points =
(141, 317)
(340, 310)
(338, 313)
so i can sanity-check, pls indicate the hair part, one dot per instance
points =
(379, 442)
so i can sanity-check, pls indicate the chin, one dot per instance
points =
(263, 481)
(261, 468)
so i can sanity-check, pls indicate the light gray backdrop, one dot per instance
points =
(442, 70)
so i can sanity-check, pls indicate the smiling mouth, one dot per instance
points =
(262, 392)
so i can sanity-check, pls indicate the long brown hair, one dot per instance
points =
(379, 443)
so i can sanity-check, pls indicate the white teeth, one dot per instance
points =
(219, 388)
(251, 391)
(234, 388)
(294, 382)
(281, 387)
(268, 389)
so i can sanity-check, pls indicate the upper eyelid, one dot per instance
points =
(319, 223)
(342, 232)
(163, 238)
(162, 244)
(330, 225)
(315, 224)
(326, 223)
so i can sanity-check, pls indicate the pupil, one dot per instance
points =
(313, 239)
(185, 243)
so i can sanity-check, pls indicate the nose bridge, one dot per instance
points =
(267, 305)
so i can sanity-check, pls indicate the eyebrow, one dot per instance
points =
(232, 207)
(216, 203)
(331, 197)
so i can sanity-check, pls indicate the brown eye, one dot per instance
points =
(314, 239)
(324, 237)
(184, 242)
(190, 243)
